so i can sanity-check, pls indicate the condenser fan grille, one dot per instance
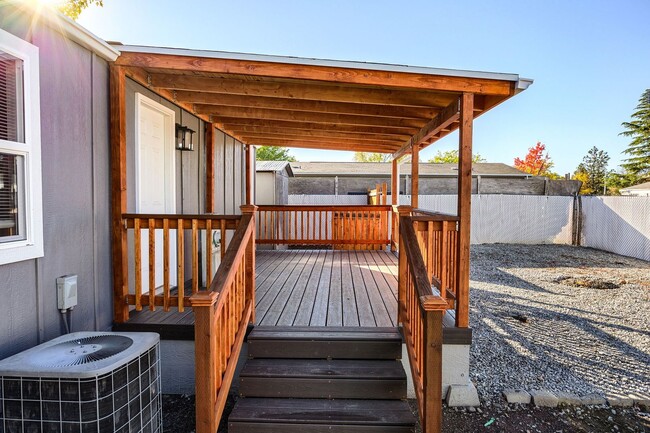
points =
(83, 350)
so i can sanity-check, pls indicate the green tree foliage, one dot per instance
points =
(372, 157)
(451, 157)
(73, 8)
(638, 129)
(273, 153)
(592, 171)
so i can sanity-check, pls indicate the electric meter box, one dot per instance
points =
(66, 289)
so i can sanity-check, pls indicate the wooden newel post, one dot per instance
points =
(402, 271)
(205, 355)
(432, 417)
(250, 209)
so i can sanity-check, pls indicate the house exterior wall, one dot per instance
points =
(229, 174)
(76, 195)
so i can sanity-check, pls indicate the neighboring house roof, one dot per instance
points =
(640, 187)
(273, 166)
(364, 169)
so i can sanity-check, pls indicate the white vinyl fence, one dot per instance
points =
(617, 224)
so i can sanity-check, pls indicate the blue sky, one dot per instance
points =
(590, 59)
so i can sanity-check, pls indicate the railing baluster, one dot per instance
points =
(152, 264)
(138, 263)
(195, 256)
(208, 253)
(166, 284)
(180, 272)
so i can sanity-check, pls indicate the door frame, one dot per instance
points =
(169, 178)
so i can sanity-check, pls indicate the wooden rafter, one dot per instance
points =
(302, 116)
(437, 125)
(326, 144)
(322, 133)
(290, 90)
(233, 100)
(237, 123)
(386, 79)
(309, 137)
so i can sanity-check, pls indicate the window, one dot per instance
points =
(21, 224)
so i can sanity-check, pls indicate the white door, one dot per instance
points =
(155, 179)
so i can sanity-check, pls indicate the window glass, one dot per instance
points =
(12, 193)
(11, 99)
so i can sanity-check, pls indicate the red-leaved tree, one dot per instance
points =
(536, 162)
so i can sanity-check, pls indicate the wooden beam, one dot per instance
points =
(415, 176)
(327, 145)
(295, 90)
(236, 123)
(464, 208)
(302, 116)
(394, 183)
(143, 78)
(293, 104)
(442, 121)
(390, 79)
(250, 172)
(209, 167)
(309, 137)
(322, 133)
(118, 193)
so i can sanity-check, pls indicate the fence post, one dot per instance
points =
(402, 264)
(250, 209)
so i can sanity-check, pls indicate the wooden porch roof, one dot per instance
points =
(307, 103)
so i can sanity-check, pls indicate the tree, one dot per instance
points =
(536, 162)
(73, 8)
(638, 129)
(273, 153)
(592, 171)
(451, 157)
(372, 157)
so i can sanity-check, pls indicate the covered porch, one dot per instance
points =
(337, 270)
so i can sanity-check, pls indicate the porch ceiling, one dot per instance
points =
(284, 101)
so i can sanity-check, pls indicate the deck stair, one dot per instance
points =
(322, 379)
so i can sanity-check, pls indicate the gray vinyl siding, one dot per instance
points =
(76, 195)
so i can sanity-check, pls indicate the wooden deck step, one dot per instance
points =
(275, 415)
(321, 342)
(306, 378)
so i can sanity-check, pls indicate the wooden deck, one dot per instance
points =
(308, 288)
(326, 288)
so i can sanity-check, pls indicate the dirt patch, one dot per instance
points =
(590, 283)
(178, 417)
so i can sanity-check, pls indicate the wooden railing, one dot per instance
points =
(222, 315)
(342, 227)
(420, 311)
(437, 236)
(157, 258)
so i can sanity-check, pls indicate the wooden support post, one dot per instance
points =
(118, 193)
(432, 417)
(206, 353)
(464, 208)
(394, 199)
(402, 271)
(415, 175)
(250, 260)
(209, 167)
(250, 172)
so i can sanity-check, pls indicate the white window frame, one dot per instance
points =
(32, 245)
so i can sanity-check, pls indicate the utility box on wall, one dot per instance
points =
(66, 290)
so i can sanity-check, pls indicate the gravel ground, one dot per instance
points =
(582, 326)
(560, 318)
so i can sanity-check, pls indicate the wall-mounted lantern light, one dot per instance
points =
(184, 137)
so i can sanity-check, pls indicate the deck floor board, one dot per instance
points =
(326, 288)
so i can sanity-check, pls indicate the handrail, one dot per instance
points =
(420, 311)
(222, 314)
(436, 216)
(339, 226)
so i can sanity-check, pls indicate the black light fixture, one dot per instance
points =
(184, 137)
